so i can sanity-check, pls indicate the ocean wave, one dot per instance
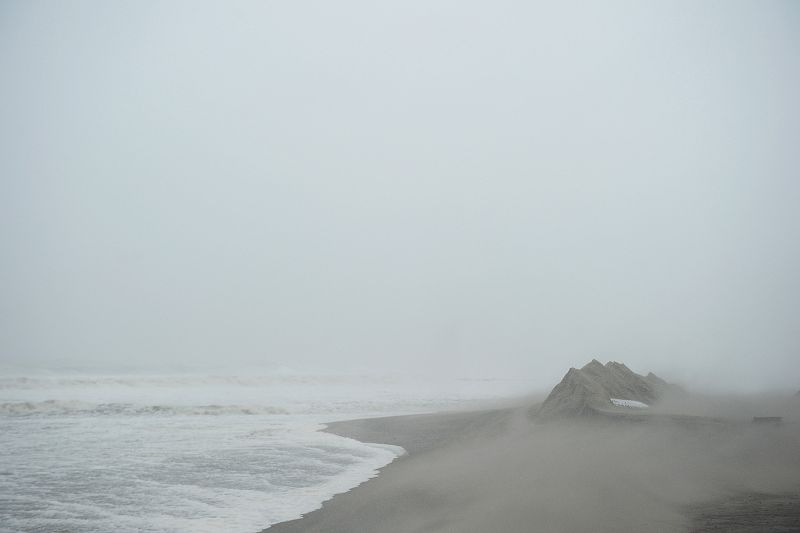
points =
(73, 407)
(350, 408)
(23, 382)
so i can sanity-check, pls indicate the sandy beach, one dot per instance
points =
(499, 470)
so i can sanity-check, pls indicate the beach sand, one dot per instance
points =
(500, 471)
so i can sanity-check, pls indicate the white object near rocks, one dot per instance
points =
(629, 403)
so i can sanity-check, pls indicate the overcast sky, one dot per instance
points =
(474, 188)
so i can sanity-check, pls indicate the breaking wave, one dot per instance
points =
(74, 407)
(23, 382)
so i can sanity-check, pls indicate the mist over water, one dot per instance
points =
(462, 188)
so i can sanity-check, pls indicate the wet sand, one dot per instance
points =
(749, 513)
(380, 504)
(498, 471)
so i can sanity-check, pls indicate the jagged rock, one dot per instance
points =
(588, 391)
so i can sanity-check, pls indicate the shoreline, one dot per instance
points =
(416, 434)
(469, 471)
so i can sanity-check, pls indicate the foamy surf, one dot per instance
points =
(180, 474)
(190, 454)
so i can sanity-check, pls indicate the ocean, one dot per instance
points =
(226, 452)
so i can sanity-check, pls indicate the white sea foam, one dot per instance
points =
(78, 408)
(191, 453)
(173, 474)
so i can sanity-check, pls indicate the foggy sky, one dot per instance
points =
(471, 188)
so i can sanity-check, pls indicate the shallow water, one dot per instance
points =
(192, 453)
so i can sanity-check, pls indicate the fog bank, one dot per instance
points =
(448, 187)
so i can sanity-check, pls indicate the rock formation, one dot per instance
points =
(588, 391)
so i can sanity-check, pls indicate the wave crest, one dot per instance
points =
(73, 407)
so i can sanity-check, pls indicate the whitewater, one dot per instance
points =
(201, 453)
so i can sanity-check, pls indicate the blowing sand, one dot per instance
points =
(500, 471)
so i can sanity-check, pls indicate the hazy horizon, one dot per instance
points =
(458, 188)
